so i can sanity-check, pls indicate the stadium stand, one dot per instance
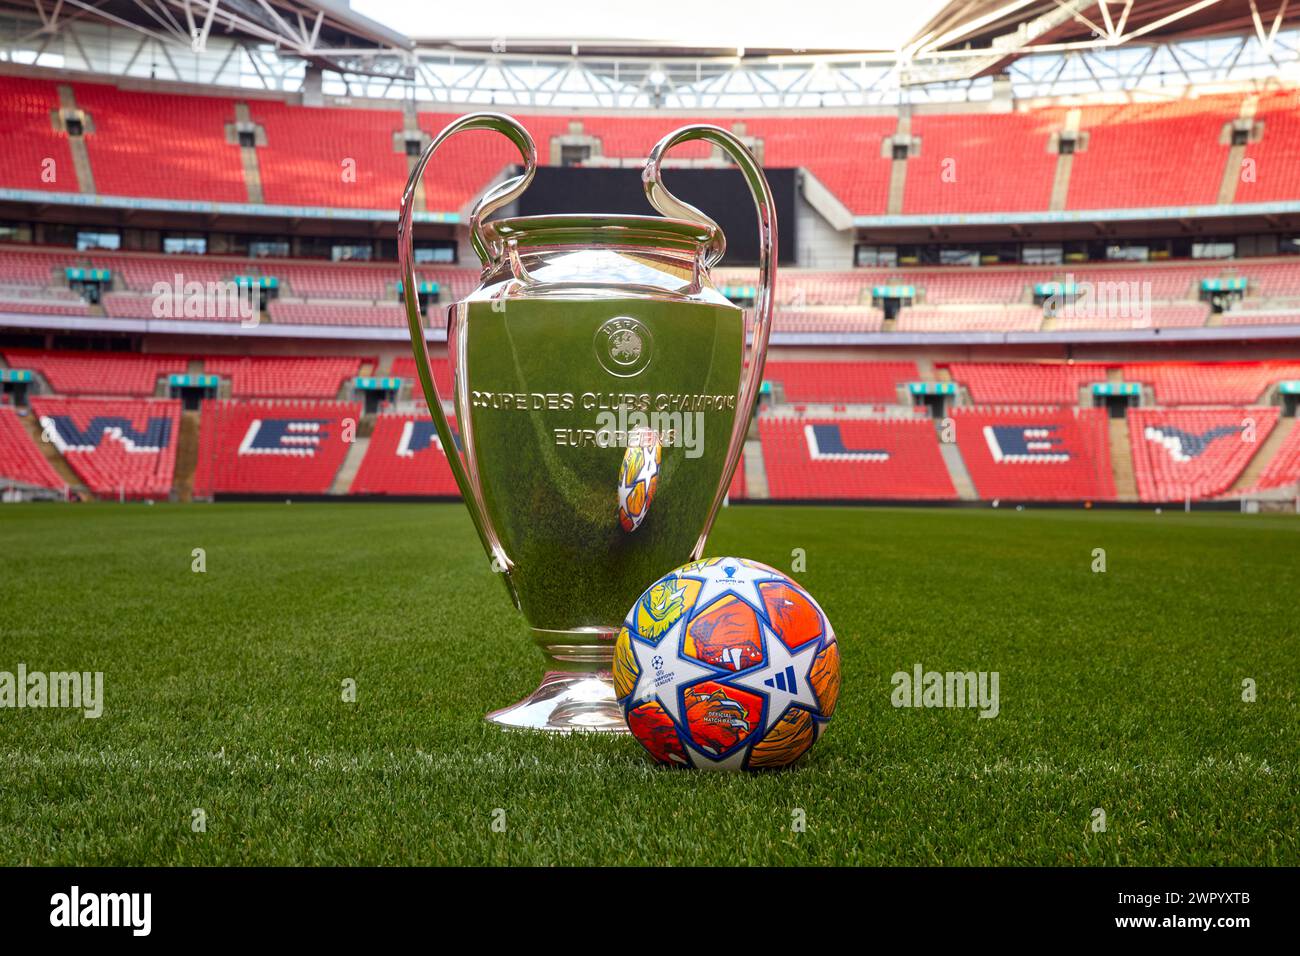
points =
(1259, 316)
(1132, 153)
(1273, 173)
(964, 164)
(126, 128)
(21, 461)
(1194, 452)
(804, 288)
(1137, 153)
(36, 157)
(404, 367)
(865, 383)
(97, 373)
(1135, 316)
(1036, 454)
(1003, 318)
(386, 315)
(957, 286)
(738, 490)
(1283, 469)
(1029, 435)
(1035, 383)
(948, 299)
(43, 306)
(404, 457)
(329, 157)
(271, 447)
(843, 152)
(888, 458)
(119, 447)
(790, 321)
(130, 305)
(1204, 383)
(265, 376)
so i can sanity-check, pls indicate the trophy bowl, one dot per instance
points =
(602, 397)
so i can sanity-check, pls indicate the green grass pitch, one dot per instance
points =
(1119, 690)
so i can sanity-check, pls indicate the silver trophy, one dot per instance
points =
(602, 399)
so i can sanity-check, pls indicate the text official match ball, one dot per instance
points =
(727, 664)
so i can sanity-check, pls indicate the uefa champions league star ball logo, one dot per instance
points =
(623, 346)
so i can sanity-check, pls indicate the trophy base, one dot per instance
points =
(567, 702)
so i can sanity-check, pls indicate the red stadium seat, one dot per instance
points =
(20, 460)
(128, 127)
(1210, 383)
(264, 376)
(1270, 172)
(98, 373)
(404, 367)
(1035, 383)
(35, 157)
(1036, 454)
(867, 383)
(1284, 467)
(827, 458)
(1194, 452)
(117, 447)
(1137, 153)
(965, 165)
(404, 457)
(272, 447)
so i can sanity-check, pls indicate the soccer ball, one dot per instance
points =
(726, 664)
(638, 478)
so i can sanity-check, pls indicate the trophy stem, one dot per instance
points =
(577, 691)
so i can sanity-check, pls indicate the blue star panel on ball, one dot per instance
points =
(727, 664)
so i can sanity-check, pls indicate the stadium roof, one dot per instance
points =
(743, 54)
(297, 26)
(688, 27)
(677, 27)
(979, 23)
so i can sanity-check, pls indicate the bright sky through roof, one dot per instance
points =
(789, 24)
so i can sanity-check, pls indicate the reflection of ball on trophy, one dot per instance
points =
(580, 321)
(727, 664)
(638, 478)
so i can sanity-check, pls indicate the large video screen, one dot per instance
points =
(720, 193)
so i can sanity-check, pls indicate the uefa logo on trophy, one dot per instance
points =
(600, 387)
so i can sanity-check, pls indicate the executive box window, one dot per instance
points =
(15, 232)
(268, 248)
(1128, 253)
(430, 253)
(185, 243)
(959, 257)
(1213, 250)
(1043, 255)
(886, 256)
(351, 252)
(88, 240)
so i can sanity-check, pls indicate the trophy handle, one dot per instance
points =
(496, 197)
(670, 205)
